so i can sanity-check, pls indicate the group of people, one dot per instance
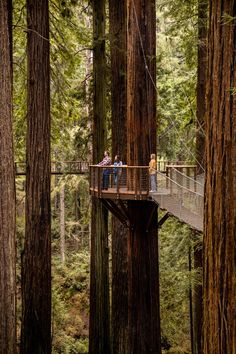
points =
(116, 171)
(106, 172)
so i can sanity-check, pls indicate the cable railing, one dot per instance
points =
(187, 181)
(120, 181)
(182, 197)
(58, 167)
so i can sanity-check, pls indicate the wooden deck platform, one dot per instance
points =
(181, 197)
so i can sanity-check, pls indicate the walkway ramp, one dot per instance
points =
(174, 207)
(182, 197)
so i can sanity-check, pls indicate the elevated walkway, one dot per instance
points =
(58, 168)
(179, 194)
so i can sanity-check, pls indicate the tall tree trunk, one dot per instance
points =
(200, 160)
(36, 273)
(220, 208)
(197, 296)
(62, 223)
(99, 327)
(144, 314)
(118, 33)
(201, 84)
(7, 191)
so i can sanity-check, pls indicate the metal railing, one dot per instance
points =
(58, 167)
(126, 180)
(185, 192)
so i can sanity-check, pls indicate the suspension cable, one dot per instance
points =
(154, 84)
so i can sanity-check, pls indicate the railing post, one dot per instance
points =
(167, 175)
(195, 178)
(135, 182)
(99, 180)
(188, 175)
(90, 178)
(171, 178)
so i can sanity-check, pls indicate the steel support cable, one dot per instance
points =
(179, 185)
(188, 177)
(154, 84)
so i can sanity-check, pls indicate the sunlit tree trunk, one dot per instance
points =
(143, 286)
(36, 272)
(7, 191)
(219, 266)
(119, 321)
(99, 327)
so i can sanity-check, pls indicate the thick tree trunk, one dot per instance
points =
(200, 159)
(99, 327)
(197, 297)
(144, 315)
(118, 18)
(220, 208)
(62, 223)
(36, 273)
(7, 191)
(201, 84)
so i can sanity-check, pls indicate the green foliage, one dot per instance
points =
(174, 243)
(176, 79)
(70, 304)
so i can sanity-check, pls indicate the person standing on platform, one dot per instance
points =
(153, 173)
(105, 176)
(117, 171)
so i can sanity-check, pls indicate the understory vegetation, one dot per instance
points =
(71, 86)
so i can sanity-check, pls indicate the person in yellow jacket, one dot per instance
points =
(153, 173)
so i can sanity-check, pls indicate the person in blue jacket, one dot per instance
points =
(117, 171)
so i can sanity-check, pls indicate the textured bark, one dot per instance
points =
(197, 299)
(119, 321)
(201, 84)
(143, 285)
(144, 316)
(99, 327)
(220, 208)
(36, 272)
(7, 191)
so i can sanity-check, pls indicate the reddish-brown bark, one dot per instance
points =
(99, 326)
(7, 191)
(36, 272)
(220, 208)
(144, 316)
(119, 320)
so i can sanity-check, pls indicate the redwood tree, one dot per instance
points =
(118, 24)
(201, 83)
(200, 158)
(144, 316)
(99, 328)
(220, 208)
(36, 273)
(7, 190)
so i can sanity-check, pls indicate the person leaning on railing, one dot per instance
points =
(105, 176)
(152, 173)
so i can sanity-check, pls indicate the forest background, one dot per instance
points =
(71, 139)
